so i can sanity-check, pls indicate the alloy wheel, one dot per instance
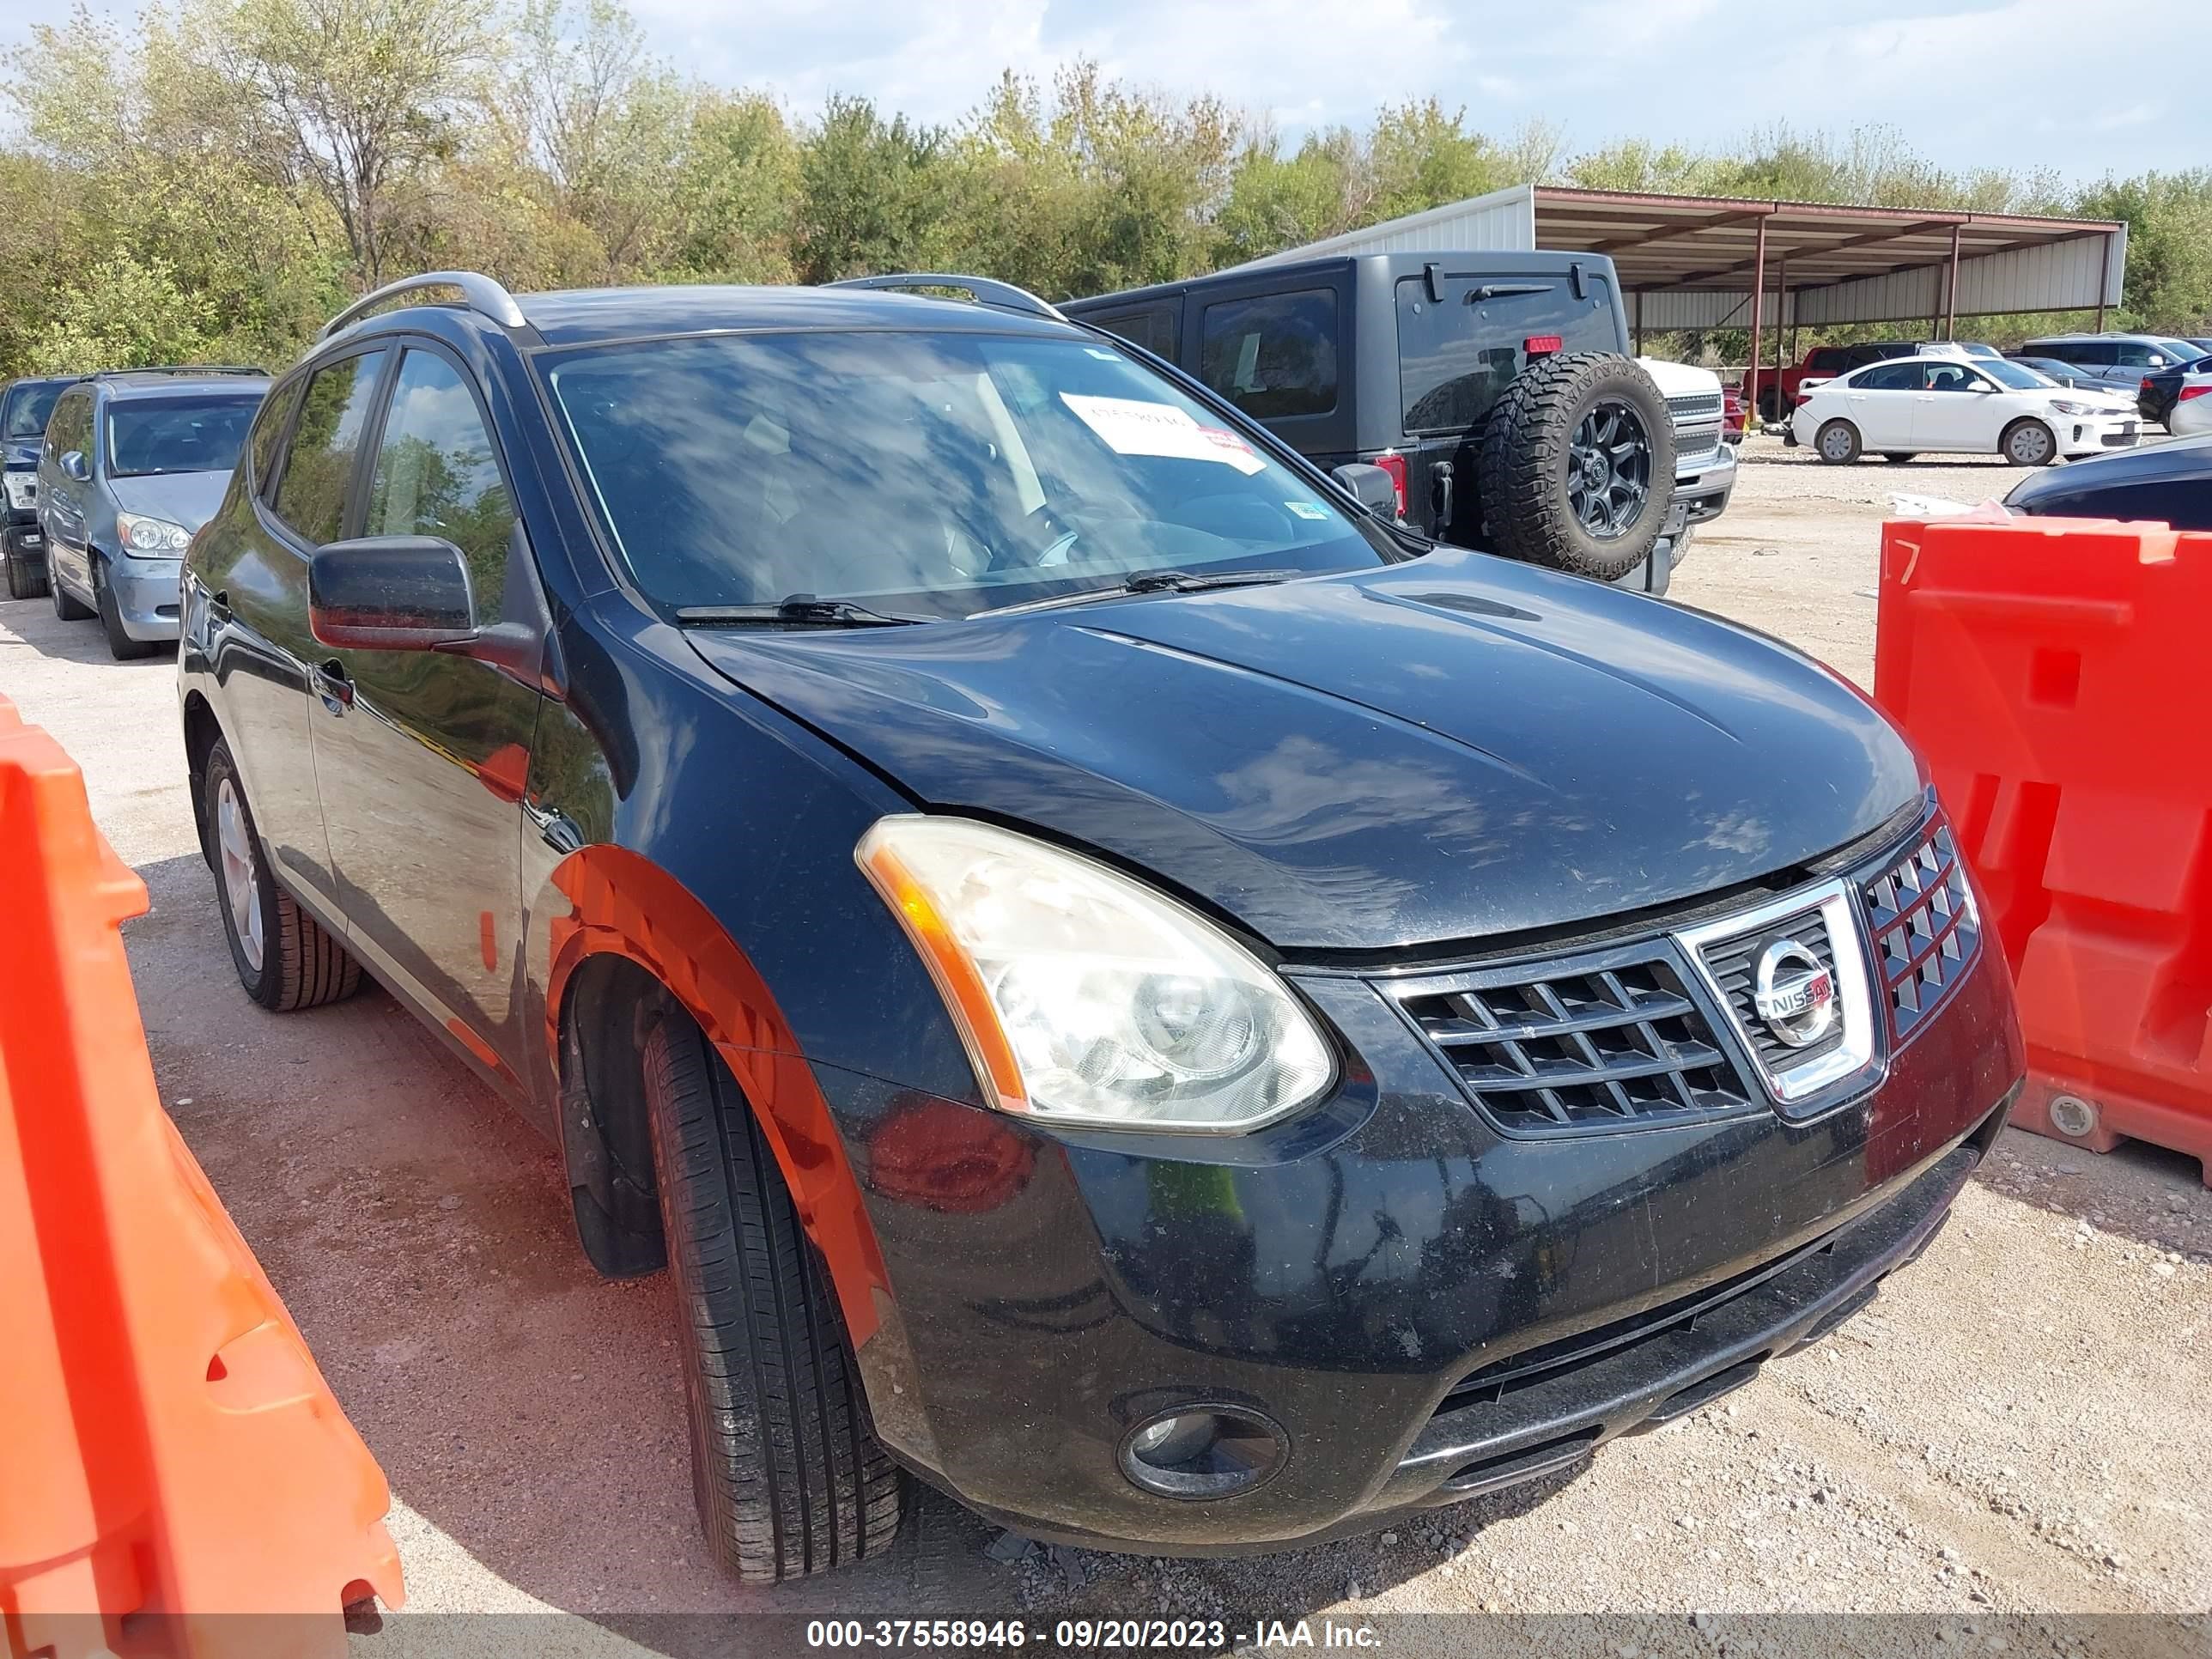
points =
(1609, 468)
(241, 875)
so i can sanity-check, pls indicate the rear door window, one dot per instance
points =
(1274, 354)
(1153, 327)
(318, 470)
(2092, 354)
(1457, 355)
(1889, 377)
(268, 432)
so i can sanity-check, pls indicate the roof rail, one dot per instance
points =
(181, 370)
(983, 290)
(478, 292)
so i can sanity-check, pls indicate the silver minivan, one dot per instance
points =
(134, 461)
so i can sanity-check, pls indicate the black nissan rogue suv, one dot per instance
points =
(1119, 982)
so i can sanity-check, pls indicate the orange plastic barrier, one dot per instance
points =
(2058, 677)
(167, 1448)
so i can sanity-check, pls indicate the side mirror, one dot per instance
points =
(1371, 486)
(74, 465)
(389, 593)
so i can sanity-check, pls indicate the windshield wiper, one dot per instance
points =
(803, 609)
(1150, 581)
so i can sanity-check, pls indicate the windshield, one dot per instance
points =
(2018, 376)
(28, 406)
(176, 435)
(930, 475)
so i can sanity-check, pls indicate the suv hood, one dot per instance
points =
(1442, 749)
(186, 498)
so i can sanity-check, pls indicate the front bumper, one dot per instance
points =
(1704, 494)
(23, 538)
(2094, 434)
(146, 596)
(1429, 1307)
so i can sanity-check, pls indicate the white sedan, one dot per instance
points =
(2192, 415)
(1909, 406)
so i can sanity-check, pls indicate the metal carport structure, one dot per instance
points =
(1706, 262)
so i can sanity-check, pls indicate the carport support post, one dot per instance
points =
(1757, 318)
(1951, 290)
(1781, 314)
(1639, 322)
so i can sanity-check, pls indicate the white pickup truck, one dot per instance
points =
(1704, 463)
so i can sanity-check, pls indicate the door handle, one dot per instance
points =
(333, 687)
(1440, 491)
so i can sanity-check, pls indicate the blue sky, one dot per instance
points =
(2083, 86)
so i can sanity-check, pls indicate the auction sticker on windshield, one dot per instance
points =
(1130, 426)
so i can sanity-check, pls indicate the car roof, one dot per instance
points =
(2084, 339)
(1393, 267)
(158, 383)
(584, 316)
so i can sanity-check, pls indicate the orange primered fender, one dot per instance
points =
(167, 1448)
(621, 902)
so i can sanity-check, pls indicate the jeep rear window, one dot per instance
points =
(923, 475)
(1457, 355)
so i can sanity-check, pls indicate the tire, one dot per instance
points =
(120, 645)
(1837, 443)
(1576, 465)
(2028, 443)
(1899, 457)
(64, 606)
(1771, 406)
(786, 1469)
(27, 577)
(293, 962)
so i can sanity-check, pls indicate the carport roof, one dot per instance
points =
(1711, 241)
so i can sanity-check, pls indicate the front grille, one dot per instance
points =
(1696, 417)
(1735, 964)
(1926, 928)
(1606, 1042)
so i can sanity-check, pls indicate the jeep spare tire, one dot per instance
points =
(1577, 466)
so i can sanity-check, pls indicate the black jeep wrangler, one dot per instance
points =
(1494, 387)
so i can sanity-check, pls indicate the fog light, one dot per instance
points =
(1203, 1452)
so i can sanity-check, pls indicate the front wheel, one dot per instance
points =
(65, 607)
(2029, 443)
(1837, 443)
(120, 645)
(1771, 406)
(786, 1469)
(284, 958)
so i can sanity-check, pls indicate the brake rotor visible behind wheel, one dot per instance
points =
(1576, 465)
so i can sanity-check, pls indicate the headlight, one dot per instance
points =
(22, 490)
(153, 537)
(1084, 997)
(2067, 406)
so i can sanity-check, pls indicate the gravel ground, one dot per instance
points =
(2018, 1427)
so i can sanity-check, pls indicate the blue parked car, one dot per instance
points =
(133, 463)
(1121, 982)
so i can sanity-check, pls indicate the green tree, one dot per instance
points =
(870, 193)
(119, 313)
